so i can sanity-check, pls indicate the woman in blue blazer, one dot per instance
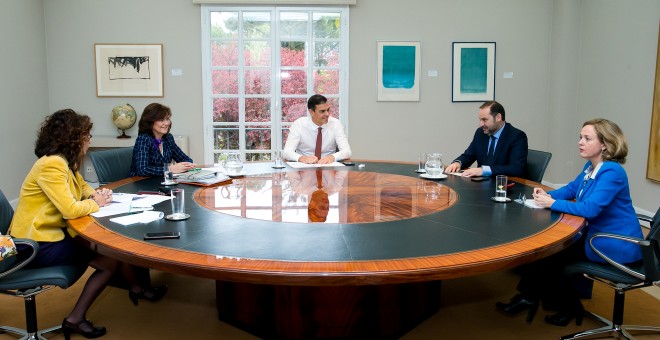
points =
(601, 195)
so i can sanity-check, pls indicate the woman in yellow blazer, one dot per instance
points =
(54, 191)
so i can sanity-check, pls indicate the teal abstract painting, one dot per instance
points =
(473, 74)
(474, 70)
(398, 67)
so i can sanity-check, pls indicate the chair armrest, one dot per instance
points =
(639, 241)
(645, 218)
(35, 249)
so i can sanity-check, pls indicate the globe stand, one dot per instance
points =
(123, 135)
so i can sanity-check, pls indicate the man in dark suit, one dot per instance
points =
(497, 146)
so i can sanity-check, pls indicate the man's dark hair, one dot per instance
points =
(495, 108)
(316, 100)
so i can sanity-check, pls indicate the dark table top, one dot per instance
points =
(384, 224)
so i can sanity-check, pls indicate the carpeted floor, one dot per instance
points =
(188, 311)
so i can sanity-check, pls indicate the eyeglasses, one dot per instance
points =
(88, 136)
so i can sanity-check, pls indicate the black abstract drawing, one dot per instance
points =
(128, 68)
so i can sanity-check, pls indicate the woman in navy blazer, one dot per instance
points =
(155, 145)
(601, 195)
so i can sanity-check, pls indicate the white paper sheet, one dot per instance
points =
(126, 203)
(299, 165)
(143, 217)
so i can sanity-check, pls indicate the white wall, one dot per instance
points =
(23, 88)
(616, 80)
(521, 30)
(74, 26)
(572, 60)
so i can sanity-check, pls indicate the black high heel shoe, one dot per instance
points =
(517, 305)
(68, 328)
(157, 293)
(563, 318)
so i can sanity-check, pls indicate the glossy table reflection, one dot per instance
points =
(369, 265)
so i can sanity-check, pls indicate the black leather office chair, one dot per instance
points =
(537, 162)
(112, 164)
(622, 279)
(15, 280)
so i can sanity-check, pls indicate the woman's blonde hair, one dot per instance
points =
(616, 147)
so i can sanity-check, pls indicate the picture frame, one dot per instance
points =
(399, 64)
(653, 161)
(473, 71)
(129, 70)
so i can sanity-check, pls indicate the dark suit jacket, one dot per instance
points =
(510, 154)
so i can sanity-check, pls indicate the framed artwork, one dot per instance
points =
(473, 71)
(653, 162)
(129, 70)
(399, 64)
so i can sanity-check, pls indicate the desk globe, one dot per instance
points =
(124, 117)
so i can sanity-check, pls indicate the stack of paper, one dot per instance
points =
(144, 217)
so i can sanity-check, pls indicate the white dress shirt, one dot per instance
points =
(302, 139)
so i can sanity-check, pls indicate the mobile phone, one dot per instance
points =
(348, 163)
(165, 191)
(479, 179)
(162, 235)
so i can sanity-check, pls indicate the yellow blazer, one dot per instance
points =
(51, 193)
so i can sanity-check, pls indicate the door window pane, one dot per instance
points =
(327, 25)
(326, 82)
(293, 24)
(256, 25)
(224, 25)
(257, 53)
(226, 138)
(224, 53)
(293, 53)
(257, 138)
(225, 110)
(225, 81)
(326, 54)
(293, 108)
(257, 110)
(257, 81)
(294, 82)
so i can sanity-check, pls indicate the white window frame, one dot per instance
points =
(276, 124)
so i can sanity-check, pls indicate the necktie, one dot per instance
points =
(319, 142)
(491, 149)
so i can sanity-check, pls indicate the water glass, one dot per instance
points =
(277, 158)
(422, 162)
(168, 175)
(500, 187)
(178, 204)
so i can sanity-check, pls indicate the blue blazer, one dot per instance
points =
(147, 159)
(606, 205)
(510, 153)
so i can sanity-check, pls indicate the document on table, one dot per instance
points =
(299, 165)
(530, 203)
(144, 217)
(126, 203)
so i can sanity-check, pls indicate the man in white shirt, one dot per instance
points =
(317, 128)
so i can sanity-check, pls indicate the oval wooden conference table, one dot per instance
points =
(335, 252)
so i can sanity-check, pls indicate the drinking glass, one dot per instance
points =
(500, 187)
(168, 175)
(178, 204)
(423, 156)
(277, 157)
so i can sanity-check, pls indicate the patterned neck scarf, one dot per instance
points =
(157, 143)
